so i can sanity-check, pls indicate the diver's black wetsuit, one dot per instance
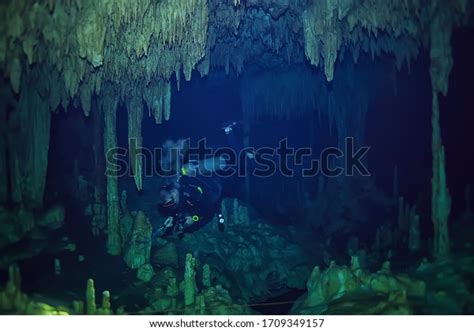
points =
(199, 197)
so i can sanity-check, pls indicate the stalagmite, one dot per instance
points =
(206, 276)
(91, 307)
(137, 250)
(189, 280)
(78, 307)
(114, 240)
(135, 118)
(106, 308)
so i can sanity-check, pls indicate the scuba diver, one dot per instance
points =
(190, 201)
(193, 196)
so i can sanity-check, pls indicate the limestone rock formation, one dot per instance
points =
(189, 297)
(114, 241)
(375, 27)
(14, 301)
(250, 258)
(165, 254)
(339, 283)
(137, 250)
(22, 225)
(145, 273)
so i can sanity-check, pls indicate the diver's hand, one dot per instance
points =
(188, 220)
(169, 222)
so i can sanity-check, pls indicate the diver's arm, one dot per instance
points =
(204, 167)
(169, 223)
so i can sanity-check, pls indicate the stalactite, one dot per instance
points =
(178, 80)
(440, 50)
(167, 101)
(114, 240)
(332, 27)
(158, 100)
(135, 139)
(77, 42)
(204, 66)
(85, 94)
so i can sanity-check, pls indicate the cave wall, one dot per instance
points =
(127, 53)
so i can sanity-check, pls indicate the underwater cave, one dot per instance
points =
(236, 157)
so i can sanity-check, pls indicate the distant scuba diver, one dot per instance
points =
(193, 197)
(229, 127)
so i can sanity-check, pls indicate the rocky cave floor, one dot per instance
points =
(253, 267)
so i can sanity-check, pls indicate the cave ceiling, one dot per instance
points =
(72, 50)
